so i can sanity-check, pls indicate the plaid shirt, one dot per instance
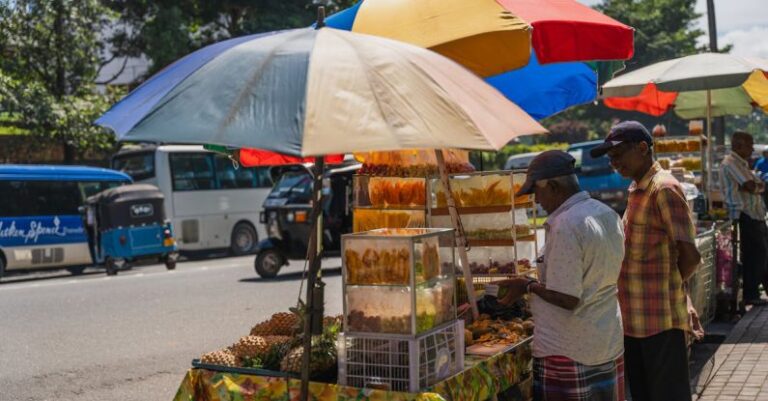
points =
(651, 292)
(735, 172)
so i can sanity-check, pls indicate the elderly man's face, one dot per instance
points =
(743, 146)
(545, 195)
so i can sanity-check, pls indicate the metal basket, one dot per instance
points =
(369, 361)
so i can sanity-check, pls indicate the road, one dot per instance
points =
(133, 336)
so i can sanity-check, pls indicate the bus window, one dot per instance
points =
(231, 178)
(92, 188)
(140, 166)
(263, 179)
(40, 198)
(191, 171)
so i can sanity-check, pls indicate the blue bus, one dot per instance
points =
(40, 224)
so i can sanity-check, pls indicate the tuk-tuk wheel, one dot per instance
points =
(170, 262)
(111, 267)
(268, 263)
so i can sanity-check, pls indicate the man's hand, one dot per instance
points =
(749, 186)
(515, 289)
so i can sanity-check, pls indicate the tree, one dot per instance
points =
(51, 57)
(664, 29)
(166, 30)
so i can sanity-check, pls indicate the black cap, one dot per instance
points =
(549, 164)
(625, 131)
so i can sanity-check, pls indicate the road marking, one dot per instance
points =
(58, 281)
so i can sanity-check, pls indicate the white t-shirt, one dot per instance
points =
(583, 251)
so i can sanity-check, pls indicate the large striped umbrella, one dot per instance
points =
(309, 92)
(524, 48)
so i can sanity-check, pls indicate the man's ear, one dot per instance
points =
(645, 148)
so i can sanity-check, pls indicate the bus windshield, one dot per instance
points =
(140, 166)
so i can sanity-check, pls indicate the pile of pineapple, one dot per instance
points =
(276, 344)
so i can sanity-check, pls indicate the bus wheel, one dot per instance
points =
(111, 267)
(244, 239)
(76, 270)
(268, 263)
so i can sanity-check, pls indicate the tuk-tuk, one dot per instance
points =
(287, 211)
(128, 223)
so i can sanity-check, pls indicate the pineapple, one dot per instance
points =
(323, 357)
(223, 357)
(250, 347)
(275, 355)
(280, 324)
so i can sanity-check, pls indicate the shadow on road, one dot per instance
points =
(329, 272)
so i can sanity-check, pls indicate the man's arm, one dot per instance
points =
(564, 301)
(688, 259)
(516, 287)
(676, 217)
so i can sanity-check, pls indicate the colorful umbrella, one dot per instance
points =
(496, 38)
(734, 84)
(309, 92)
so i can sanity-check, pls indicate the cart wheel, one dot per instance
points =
(170, 262)
(268, 263)
(76, 270)
(111, 267)
(244, 239)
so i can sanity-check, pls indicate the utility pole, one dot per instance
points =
(718, 123)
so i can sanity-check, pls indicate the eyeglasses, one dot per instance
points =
(617, 152)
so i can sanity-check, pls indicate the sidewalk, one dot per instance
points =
(741, 363)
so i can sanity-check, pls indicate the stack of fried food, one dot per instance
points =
(489, 332)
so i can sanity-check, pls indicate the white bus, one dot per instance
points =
(211, 204)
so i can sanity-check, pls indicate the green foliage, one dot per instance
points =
(165, 30)
(51, 57)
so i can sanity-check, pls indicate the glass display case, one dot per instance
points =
(365, 219)
(500, 228)
(389, 192)
(398, 281)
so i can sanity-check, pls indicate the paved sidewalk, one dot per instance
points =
(740, 370)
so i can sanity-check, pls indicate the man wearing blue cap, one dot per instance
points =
(660, 255)
(578, 341)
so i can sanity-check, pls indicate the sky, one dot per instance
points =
(742, 23)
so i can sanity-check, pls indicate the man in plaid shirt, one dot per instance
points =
(742, 190)
(659, 256)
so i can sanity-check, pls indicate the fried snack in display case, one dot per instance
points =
(398, 281)
(485, 189)
(508, 226)
(389, 192)
(670, 145)
(497, 260)
(373, 219)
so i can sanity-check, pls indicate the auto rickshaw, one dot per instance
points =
(287, 212)
(128, 223)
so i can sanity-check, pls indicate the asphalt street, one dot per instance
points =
(133, 336)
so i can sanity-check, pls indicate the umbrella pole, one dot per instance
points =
(461, 239)
(313, 315)
(710, 145)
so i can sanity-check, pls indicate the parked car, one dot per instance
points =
(520, 161)
(597, 177)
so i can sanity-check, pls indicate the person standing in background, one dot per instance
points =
(743, 197)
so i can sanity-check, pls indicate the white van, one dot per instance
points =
(211, 203)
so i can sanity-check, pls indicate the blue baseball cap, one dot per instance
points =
(625, 131)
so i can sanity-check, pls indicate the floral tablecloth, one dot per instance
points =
(481, 378)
